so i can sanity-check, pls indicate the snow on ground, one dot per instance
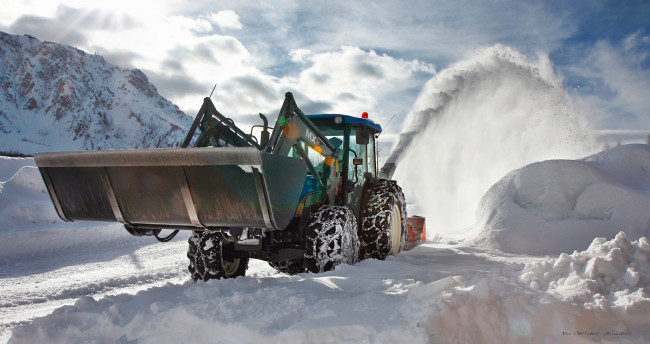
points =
(559, 206)
(28, 221)
(9, 166)
(46, 263)
(88, 282)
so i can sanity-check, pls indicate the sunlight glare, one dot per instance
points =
(137, 9)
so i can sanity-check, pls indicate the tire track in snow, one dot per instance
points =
(28, 295)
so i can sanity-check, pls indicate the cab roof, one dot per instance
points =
(354, 121)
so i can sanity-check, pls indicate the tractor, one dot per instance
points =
(305, 197)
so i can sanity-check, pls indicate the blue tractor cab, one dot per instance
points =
(354, 138)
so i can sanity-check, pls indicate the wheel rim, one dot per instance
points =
(230, 268)
(395, 229)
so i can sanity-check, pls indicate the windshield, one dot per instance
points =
(336, 134)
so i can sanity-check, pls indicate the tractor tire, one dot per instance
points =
(291, 267)
(331, 239)
(206, 257)
(383, 220)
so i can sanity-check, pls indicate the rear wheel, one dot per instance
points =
(383, 227)
(331, 239)
(208, 253)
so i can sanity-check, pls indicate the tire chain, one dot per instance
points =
(205, 253)
(326, 245)
(376, 215)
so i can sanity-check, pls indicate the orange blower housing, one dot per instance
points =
(416, 231)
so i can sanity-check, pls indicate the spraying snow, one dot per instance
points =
(476, 121)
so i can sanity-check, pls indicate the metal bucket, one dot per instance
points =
(175, 188)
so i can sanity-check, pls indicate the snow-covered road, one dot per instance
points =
(36, 285)
(367, 295)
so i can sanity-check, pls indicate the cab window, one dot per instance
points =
(315, 158)
(370, 154)
(357, 151)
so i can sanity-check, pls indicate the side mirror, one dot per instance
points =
(363, 137)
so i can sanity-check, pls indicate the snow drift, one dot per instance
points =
(476, 121)
(612, 269)
(559, 206)
(28, 220)
(24, 200)
(597, 295)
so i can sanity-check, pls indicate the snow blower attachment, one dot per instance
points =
(304, 198)
(416, 231)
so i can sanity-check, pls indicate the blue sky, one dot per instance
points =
(347, 56)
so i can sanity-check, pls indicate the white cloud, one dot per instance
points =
(227, 19)
(184, 57)
(301, 55)
(349, 80)
(198, 25)
(615, 93)
(11, 11)
(420, 29)
(354, 80)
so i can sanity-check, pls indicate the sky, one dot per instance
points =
(351, 56)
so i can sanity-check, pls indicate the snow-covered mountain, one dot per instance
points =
(55, 97)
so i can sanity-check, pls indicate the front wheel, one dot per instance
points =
(208, 253)
(383, 220)
(331, 239)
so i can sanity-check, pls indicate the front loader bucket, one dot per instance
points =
(175, 188)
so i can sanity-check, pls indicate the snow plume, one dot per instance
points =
(474, 122)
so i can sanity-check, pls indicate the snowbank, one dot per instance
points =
(599, 294)
(559, 206)
(24, 201)
(9, 166)
(28, 220)
(607, 273)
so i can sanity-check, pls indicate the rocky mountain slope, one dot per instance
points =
(55, 97)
